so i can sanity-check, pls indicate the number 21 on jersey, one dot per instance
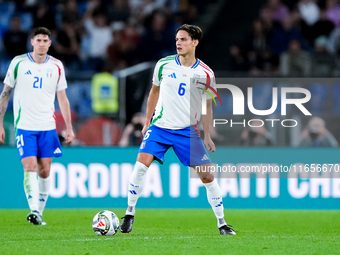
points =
(20, 141)
(37, 84)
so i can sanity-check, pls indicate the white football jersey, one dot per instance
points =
(35, 86)
(181, 89)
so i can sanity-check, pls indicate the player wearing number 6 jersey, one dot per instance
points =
(175, 99)
(36, 78)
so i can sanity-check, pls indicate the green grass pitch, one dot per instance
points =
(174, 232)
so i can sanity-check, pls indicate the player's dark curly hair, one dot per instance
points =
(41, 31)
(195, 32)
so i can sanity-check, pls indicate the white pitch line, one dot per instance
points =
(130, 238)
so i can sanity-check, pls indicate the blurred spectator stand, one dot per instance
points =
(316, 135)
(323, 63)
(99, 131)
(256, 135)
(100, 36)
(295, 62)
(15, 39)
(67, 45)
(132, 135)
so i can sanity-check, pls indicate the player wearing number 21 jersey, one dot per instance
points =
(174, 105)
(36, 79)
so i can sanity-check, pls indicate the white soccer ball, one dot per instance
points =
(105, 223)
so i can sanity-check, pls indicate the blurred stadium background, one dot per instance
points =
(256, 41)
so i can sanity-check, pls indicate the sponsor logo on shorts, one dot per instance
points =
(57, 151)
(205, 157)
(21, 151)
(142, 146)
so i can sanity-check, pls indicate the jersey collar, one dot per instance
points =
(193, 67)
(32, 60)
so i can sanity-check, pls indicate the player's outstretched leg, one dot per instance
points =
(215, 200)
(135, 189)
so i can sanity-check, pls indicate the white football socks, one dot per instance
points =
(215, 200)
(135, 186)
(32, 190)
(44, 189)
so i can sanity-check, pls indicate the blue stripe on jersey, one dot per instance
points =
(47, 58)
(196, 64)
(30, 57)
(32, 60)
(177, 60)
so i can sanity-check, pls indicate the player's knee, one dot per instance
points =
(30, 167)
(44, 172)
(207, 179)
(145, 158)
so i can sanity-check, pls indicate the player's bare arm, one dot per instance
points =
(64, 105)
(4, 98)
(151, 105)
(206, 120)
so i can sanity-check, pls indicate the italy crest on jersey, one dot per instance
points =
(49, 73)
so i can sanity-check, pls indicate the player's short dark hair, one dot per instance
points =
(195, 32)
(41, 31)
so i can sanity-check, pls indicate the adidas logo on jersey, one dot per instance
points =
(28, 72)
(173, 75)
(57, 151)
(205, 157)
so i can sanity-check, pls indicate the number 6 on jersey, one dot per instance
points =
(147, 134)
(181, 89)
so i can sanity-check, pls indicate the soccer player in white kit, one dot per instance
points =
(36, 78)
(176, 98)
